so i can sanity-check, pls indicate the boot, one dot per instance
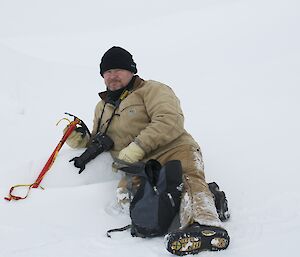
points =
(196, 238)
(220, 201)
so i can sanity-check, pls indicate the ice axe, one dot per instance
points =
(70, 128)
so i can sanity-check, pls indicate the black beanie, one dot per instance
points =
(117, 58)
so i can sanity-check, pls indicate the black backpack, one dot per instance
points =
(157, 200)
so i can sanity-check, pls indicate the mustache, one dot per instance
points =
(114, 80)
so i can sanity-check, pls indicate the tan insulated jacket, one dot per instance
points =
(150, 115)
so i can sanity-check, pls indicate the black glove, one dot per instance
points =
(82, 130)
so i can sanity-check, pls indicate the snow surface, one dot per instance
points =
(233, 63)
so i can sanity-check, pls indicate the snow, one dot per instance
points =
(234, 65)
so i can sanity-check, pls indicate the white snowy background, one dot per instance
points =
(235, 65)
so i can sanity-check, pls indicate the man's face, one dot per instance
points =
(115, 79)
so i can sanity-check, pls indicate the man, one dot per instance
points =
(145, 121)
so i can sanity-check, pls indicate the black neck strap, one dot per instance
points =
(117, 104)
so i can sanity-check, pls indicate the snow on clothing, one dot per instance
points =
(151, 116)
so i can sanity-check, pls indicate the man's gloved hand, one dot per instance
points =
(132, 153)
(76, 139)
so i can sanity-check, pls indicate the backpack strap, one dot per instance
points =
(135, 169)
(117, 230)
(140, 169)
